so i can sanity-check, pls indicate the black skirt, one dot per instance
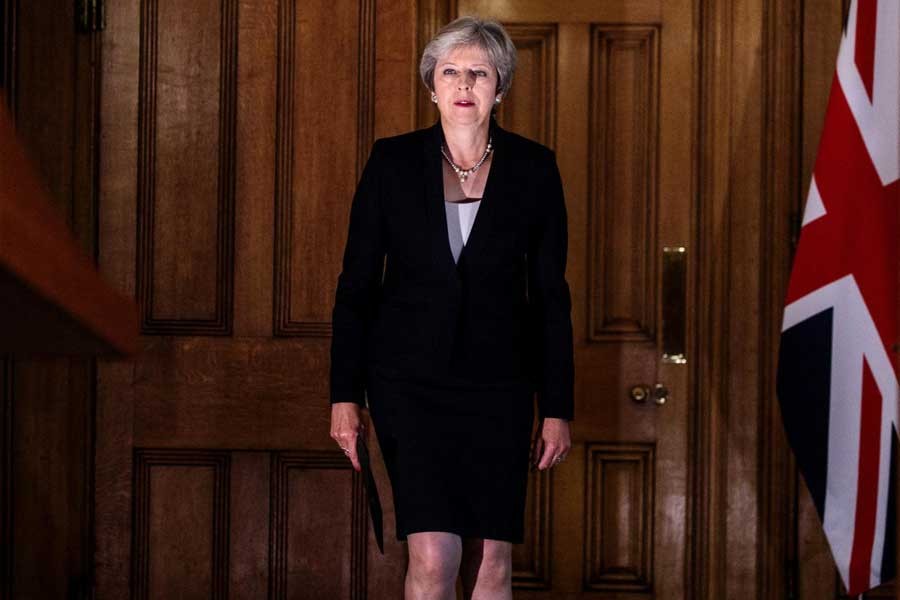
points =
(456, 454)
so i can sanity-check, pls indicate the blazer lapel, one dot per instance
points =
(487, 211)
(434, 193)
(434, 201)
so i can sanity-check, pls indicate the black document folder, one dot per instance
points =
(371, 491)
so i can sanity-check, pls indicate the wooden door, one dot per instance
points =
(608, 85)
(232, 137)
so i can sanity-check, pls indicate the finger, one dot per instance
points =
(348, 447)
(347, 442)
(548, 456)
(354, 459)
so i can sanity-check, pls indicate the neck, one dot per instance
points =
(466, 144)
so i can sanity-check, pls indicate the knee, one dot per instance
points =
(495, 571)
(431, 565)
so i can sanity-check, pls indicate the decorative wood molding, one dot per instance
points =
(431, 15)
(7, 550)
(221, 322)
(781, 97)
(534, 572)
(542, 40)
(630, 240)
(366, 103)
(145, 460)
(282, 464)
(8, 72)
(604, 498)
(284, 324)
(708, 549)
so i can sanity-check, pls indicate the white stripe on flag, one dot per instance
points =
(877, 118)
(814, 207)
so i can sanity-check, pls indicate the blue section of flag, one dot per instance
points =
(804, 391)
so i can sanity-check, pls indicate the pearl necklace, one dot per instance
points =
(464, 173)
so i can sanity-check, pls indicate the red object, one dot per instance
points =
(52, 299)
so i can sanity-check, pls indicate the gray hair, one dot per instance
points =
(490, 36)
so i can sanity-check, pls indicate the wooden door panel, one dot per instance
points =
(619, 497)
(324, 128)
(180, 524)
(622, 151)
(207, 521)
(232, 393)
(530, 107)
(319, 527)
(531, 558)
(185, 161)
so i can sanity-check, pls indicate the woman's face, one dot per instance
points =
(466, 84)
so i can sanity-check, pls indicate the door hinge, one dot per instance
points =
(90, 15)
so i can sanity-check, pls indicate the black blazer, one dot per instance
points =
(498, 317)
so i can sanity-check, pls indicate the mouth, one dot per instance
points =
(464, 103)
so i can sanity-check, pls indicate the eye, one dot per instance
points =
(481, 73)
(449, 71)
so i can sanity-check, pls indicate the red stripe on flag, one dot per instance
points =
(864, 53)
(858, 233)
(867, 484)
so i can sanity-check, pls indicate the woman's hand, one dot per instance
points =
(345, 427)
(551, 443)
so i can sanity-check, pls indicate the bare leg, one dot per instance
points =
(434, 558)
(486, 569)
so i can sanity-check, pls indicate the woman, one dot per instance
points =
(470, 315)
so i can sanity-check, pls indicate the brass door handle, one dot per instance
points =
(660, 394)
(641, 393)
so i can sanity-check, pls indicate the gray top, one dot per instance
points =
(460, 208)
(460, 217)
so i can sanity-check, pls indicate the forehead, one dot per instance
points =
(470, 54)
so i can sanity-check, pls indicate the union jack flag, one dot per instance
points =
(837, 383)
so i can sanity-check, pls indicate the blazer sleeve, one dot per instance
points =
(357, 288)
(548, 295)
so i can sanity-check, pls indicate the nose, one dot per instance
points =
(466, 80)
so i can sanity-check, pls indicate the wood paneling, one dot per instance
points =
(623, 205)
(431, 15)
(648, 11)
(7, 49)
(7, 550)
(248, 532)
(186, 149)
(319, 519)
(245, 393)
(782, 83)
(750, 137)
(52, 472)
(531, 559)
(619, 501)
(181, 512)
(325, 107)
(46, 477)
(530, 107)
